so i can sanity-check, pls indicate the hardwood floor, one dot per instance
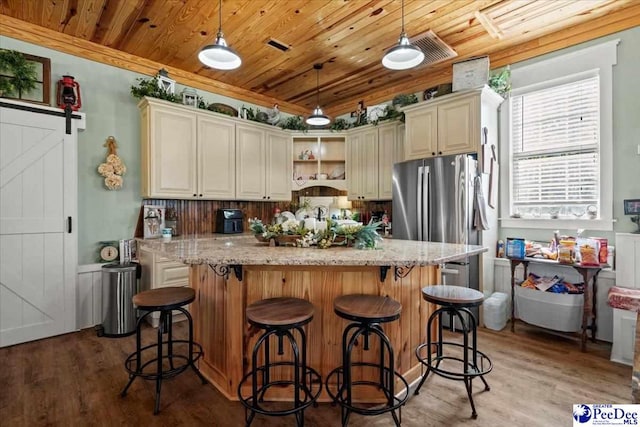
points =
(75, 380)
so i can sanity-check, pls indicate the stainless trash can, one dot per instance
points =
(119, 285)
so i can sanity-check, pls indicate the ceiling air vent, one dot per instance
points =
(280, 46)
(435, 50)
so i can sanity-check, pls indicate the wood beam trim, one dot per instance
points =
(45, 37)
(489, 25)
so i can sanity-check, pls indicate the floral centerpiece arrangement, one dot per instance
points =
(292, 232)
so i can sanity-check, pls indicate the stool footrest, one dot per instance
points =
(337, 394)
(481, 366)
(309, 391)
(130, 362)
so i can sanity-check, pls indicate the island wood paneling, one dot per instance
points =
(228, 339)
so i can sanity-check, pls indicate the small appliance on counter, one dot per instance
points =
(229, 221)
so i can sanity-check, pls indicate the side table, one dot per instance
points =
(588, 273)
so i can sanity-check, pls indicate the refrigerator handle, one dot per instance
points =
(419, 200)
(460, 198)
(426, 204)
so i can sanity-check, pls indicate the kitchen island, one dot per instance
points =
(229, 273)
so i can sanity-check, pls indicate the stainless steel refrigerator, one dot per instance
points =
(433, 201)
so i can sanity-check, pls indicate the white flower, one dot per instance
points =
(113, 182)
(113, 159)
(120, 169)
(290, 225)
(105, 169)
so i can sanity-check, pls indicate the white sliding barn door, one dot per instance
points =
(38, 253)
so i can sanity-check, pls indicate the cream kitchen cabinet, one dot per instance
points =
(372, 151)
(362, 161)
(263, 163)
(160, 272)
(451, 124)
(186, 154)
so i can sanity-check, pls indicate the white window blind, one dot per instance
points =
(555, 150)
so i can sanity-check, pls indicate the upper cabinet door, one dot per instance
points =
(458, 126)
(172, 152)
(387, 144)
(279, 166)
(250, 163)
(369, 164)
(421, 133)
(353, 166)
(216, 158)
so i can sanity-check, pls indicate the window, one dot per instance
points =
(556, 139)
(555, 146)
(40, 94)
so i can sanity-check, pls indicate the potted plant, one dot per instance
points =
(20, 74)
(500, 81)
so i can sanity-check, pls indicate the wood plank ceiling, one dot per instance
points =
(348, 36)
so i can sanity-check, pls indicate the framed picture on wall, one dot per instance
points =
(41, 93)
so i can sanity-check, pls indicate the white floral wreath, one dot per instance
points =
(114, 167)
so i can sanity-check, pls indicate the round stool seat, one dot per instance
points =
(281, 311)
(452, 296)
(164, 298)
(367, 308)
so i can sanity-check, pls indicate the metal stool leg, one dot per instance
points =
(190, 344)
(436, 314)
(163, 317)
(132, 376)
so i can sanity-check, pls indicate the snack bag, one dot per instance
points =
(566, 254)
(589, 255)
(604, 249)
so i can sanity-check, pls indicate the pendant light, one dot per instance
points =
(219, 55)
(404, 55)
(318, 118)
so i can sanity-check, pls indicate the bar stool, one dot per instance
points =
(367, 313)
(279, 317)
(164, 300)
(454, 301)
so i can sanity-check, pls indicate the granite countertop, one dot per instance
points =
(246, 250)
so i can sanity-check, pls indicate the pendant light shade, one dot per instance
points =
(318, 118)
(404, 55)
(219, 55)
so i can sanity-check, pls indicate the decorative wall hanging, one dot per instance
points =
(113, 169)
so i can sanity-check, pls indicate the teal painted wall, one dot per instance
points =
(110, 110)
(626, 134)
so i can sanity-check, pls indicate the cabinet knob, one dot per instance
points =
(264, 197)
(439, 152)
(195, 195)
(433, 153)
(201, 195)
(268, 197)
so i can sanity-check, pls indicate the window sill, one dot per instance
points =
(555, 224)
